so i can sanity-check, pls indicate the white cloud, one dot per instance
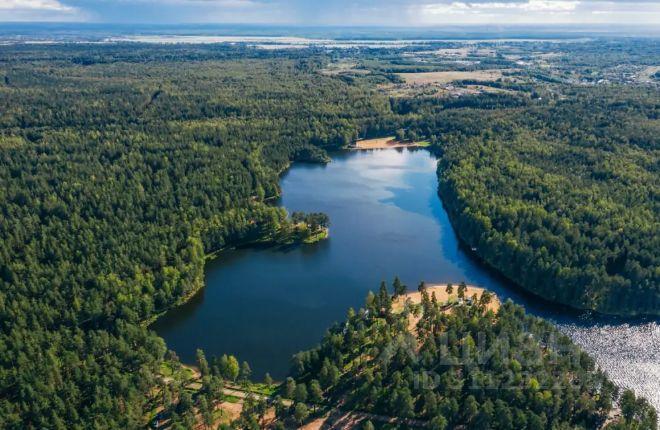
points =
(338, 12)
(52, 5)
(532, 5)
(442, 9)
(40, 10)
(531, 12)
(223, 3)
(550, 5)
(508, 7)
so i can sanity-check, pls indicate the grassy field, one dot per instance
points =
(447, 77)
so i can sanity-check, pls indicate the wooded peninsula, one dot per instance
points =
(123, 166)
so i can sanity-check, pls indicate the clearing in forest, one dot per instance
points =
(647, 74)
(447, 77)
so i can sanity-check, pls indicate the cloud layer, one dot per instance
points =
(337, 12)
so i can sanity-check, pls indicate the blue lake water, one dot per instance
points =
(263, 305)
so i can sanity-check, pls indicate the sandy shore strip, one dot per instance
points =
(440, 291)
(386, 142)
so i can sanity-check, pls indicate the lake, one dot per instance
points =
(263, 305)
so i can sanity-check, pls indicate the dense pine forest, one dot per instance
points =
(464, 366)
(124, 166)
(121, 170)
(563, 198)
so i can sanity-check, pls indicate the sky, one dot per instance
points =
(400, 13)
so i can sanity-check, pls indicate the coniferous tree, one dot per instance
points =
(399, 287)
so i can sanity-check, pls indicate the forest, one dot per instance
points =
(429, 363)
(124, 166)
(121, 169)
(469, 367)
(562, 198)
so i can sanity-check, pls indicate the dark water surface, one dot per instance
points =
(386, 220)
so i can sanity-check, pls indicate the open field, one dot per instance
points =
(647, 73)
(438, 90)
(446, 77)
(387, 142)
(336, 69)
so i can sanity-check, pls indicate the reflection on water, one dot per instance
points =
(263, 305)
(630, 354)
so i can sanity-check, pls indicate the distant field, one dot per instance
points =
(343, 67)
(446, 77)
(647, 73)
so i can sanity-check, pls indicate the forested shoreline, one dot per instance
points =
(124, 166)
(432, 365)
(563, 199)
(123, 169)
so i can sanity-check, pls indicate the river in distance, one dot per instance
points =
(263, 305)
